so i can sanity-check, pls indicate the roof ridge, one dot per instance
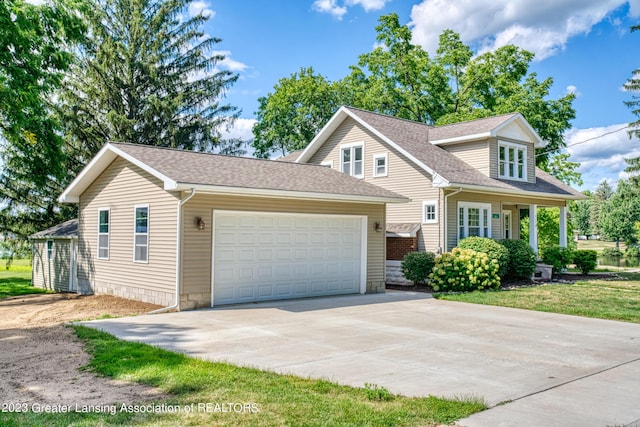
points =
(476, 120)
(227, 156)
(390, 117)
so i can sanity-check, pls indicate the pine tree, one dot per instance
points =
(147, 75)
(602, 194)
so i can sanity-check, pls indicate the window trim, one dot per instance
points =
(136, 234)
(49, 249)
(352, 146)
(377, 156)
(108, 233)
(474, 205)
(433, 203)
(517, 146)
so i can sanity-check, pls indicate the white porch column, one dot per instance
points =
(533, 227)
(563, 227)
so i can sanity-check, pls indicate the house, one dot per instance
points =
(186, 230)
(465, 179)
(54, 252)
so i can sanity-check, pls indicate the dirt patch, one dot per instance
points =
(40, 358)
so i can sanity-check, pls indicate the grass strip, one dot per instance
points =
(602, 299)
(274, 399)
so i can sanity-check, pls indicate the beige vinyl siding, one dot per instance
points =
(197, 244)
(498, 204)
(402, 177)
(120, 187)
(54, 273)
(531, 158)
(476, 154)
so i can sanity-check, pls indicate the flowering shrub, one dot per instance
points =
(490, 247)
(464, 270)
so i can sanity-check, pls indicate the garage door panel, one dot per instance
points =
(259, 256)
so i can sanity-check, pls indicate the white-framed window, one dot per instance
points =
(474, 219)
(103, 233)
(380, 164)
(49, 250)
(512, 160)
(430, 212)
(351, 159)
(141, 234)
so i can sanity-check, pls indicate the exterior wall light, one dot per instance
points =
(199, 223)
(377, 226)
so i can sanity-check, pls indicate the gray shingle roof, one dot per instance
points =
(414, 137)
(471, 127)
(66, 229)
(188, 167)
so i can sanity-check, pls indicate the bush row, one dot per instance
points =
(477, 263)
(586, 260)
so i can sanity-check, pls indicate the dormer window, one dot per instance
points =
(512, 161)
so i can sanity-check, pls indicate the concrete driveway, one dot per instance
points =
(546, 369)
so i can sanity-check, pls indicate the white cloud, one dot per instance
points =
(201, 6)
(241, 129)
(601, 152)
(540, 26)
(228, 63)
(338, 11)
(329, 6)
(367, 5)
(572, 89)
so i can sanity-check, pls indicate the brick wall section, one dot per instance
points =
(398, 247)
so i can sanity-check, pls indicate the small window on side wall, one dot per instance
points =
(430, 212)
(103, 233)
(380, 164)
(141, 234)
(351, 160)
(49, 250)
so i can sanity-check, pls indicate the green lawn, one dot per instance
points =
(614, 300)
(17, 279)
(271, 399)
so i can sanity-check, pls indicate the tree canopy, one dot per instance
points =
(144, 72)
(34, 55)
(401, 79)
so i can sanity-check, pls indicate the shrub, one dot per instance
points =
(612, 252)
(557, 257)
(585, 260)
(416, 266)
(464, 270)
(490, 247)
(632, 252)
(522, 259)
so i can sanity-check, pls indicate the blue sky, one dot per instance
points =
(584, 45)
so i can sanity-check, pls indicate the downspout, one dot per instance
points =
(178, 255)
(446, 217)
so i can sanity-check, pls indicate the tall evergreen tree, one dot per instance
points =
(602, 194)
(146, 75)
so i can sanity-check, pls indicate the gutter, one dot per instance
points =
(176, 305)
(446, 216)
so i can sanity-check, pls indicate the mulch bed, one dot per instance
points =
(564, 278)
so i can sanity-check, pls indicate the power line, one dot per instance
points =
(588, 139)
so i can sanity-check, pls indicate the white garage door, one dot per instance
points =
(265, 256)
